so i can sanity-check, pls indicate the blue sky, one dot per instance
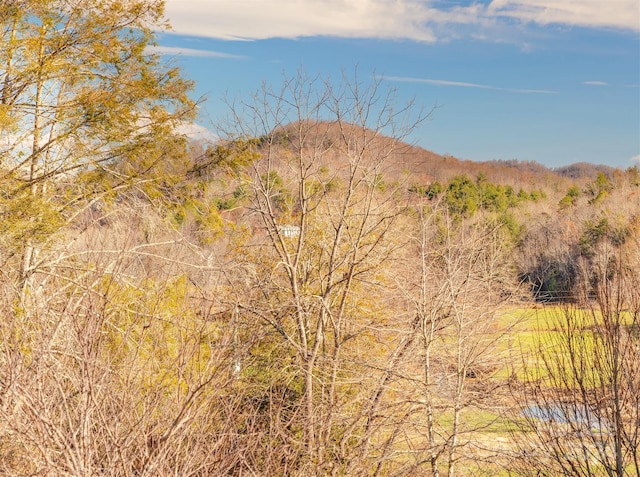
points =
(554, 81)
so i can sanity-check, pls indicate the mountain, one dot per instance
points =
(329, 140)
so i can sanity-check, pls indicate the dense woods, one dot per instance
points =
(310, 295)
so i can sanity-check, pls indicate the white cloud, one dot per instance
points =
(196, 132)
(586, 13)
(259, 19)
(635, 158)
(420, 20)
(595, 83)
(438, 82)
(462, 84)
(172, 50)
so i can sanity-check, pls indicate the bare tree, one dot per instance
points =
(325, 194)
(117, 370)
(581, 393)
(457, 279)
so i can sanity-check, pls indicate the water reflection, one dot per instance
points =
(566, 414)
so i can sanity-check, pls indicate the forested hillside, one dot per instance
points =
(311, 295)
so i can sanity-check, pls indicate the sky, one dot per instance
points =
(551, 81)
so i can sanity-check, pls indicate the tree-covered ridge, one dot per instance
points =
(465, 197)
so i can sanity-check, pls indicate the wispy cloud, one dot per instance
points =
(421, 20)
(622, 14)
(595, 83)
(438, 82)
(462, 84)
(635, 158)
(173, 50)
(530, 91)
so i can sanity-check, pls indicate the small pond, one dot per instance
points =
(563, 413)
